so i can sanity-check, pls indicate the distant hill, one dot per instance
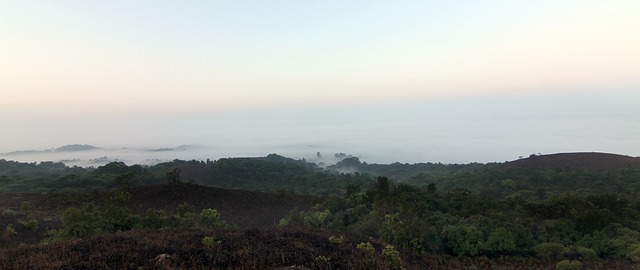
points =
(576, 161)
(75, 147)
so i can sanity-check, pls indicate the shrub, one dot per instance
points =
(316, 219)
(550, 251)
(464, 240)
(366, 249)
(184, 209)
(336, 240)
(10, 230)
(586, 253)
(568, 265)
(186, 216)
(501, 241)
(209, 242)
(32, 225)
(155, 219)
(210, 218)
(634, 253)
(25, 208)
(322, 259)
(80, 223)
(9, 212)
(392, 257)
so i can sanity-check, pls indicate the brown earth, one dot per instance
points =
(576, 161)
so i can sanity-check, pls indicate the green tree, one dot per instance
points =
(400, 232)
(116, 216)
(186, 216)
(210, 218)
(431, 188)
(128, 180)
(209, 242)
(31, 224)
(634, 253)
(392, 257)
(173, 175)
(80, 222)
(317, 219)
(25, 208)
(550, 251)
(568, 265)
(294, 218)
(9, 230)
(624, 242)
(464, 240)
(384, 187)
(155, 219)
(501, 241)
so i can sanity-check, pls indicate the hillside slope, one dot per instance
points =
(246, 209)
(576, 161)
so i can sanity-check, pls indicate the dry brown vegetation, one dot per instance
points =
(246, 209)
(249, 249)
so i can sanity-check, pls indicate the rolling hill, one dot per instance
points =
(576, 161)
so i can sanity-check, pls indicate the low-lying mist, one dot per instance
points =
(455, 131)
(405, 142)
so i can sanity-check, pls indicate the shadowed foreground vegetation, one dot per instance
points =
(200, 249)
(247, 249)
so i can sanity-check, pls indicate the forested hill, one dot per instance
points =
(510, 215)
(538, 176)
(576, 161)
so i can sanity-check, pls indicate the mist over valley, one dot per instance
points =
(454, 131)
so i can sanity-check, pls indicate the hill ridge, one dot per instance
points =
(576, 161)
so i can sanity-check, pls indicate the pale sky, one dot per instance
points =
(80, 61)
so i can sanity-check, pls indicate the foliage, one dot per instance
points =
(550, 251)
(366, 249)
(178, 249)
(336, 240)
(465, 212)
(568, 265)
(9, 230)
(210, 218)
(32, 224)
(271, 173)
(316, 219)
(46, 177)
(155, 219)
(634, 253)
(209, 242)
(367, 253)
(173, 175)
(501, 241)
(464, 240)
(9, 212)
(392, 257)
(25, 207)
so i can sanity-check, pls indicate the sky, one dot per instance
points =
(158, 73)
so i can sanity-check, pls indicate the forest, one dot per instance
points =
(561, 211)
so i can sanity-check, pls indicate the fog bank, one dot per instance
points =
(461, 130)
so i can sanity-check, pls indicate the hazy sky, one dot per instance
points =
(123, 72)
